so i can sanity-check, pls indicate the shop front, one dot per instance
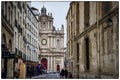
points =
(33, 69)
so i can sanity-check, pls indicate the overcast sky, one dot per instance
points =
(59, 11)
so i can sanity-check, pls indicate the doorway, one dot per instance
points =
(58, 68)
(87, 53)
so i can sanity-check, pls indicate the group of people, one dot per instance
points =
(65, 74)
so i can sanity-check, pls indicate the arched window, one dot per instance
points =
(10, 45)
(3, 39)
(58, 43)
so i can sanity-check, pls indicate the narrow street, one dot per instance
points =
(48, 76)
(60, 39)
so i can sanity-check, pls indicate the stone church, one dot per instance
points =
(51, 42)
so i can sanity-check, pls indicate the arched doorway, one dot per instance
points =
(58, 68)
(44, 63)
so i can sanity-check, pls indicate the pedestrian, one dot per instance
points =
(38, 69)
(30, 71)
(70, 75)
(17, 73)
(3, 74)
(66, 73)
(62, 73)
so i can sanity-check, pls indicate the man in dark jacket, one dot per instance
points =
(62, 73)
(3, 74)
(66, 73)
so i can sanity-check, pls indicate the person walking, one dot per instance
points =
(17, 73)
(30, 71)
(70, 75)
(62, 73)
(3, 74)
(66, 73)
(38, 69)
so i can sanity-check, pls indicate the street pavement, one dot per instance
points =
(48, 76)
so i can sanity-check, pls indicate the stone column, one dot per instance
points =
(48, 42)
(51, 63)
(54, 63)
(51, 42)
(48, 62)
(62, 62)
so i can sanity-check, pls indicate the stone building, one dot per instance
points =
(51, 42)
(31, 36)
(92, 39)
(7, 35)
(13, 55)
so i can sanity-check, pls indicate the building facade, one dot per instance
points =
(92, 39)
(15, 37)
(13, 55)
(31, 36)
(51, 42)
(7, 38)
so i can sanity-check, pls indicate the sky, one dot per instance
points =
(59, 11)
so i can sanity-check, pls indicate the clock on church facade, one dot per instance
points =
(44, 41)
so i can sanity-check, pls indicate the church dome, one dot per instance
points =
(43, 10)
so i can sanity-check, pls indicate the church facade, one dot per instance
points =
(51, 42)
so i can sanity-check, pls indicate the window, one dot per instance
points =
(86, 14)
(27, 37)
(106, 7)
(6, 9)
(9, 14)
(2, 8)
(11, 17)
(87, 53)
(10, 45)
(20, 20)
(18, 17)
(23, 18)
(30, 38)
(77, 17)
(3, 39)
(77, 52)
(43, 22)
(30, 28)
(15, 12)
